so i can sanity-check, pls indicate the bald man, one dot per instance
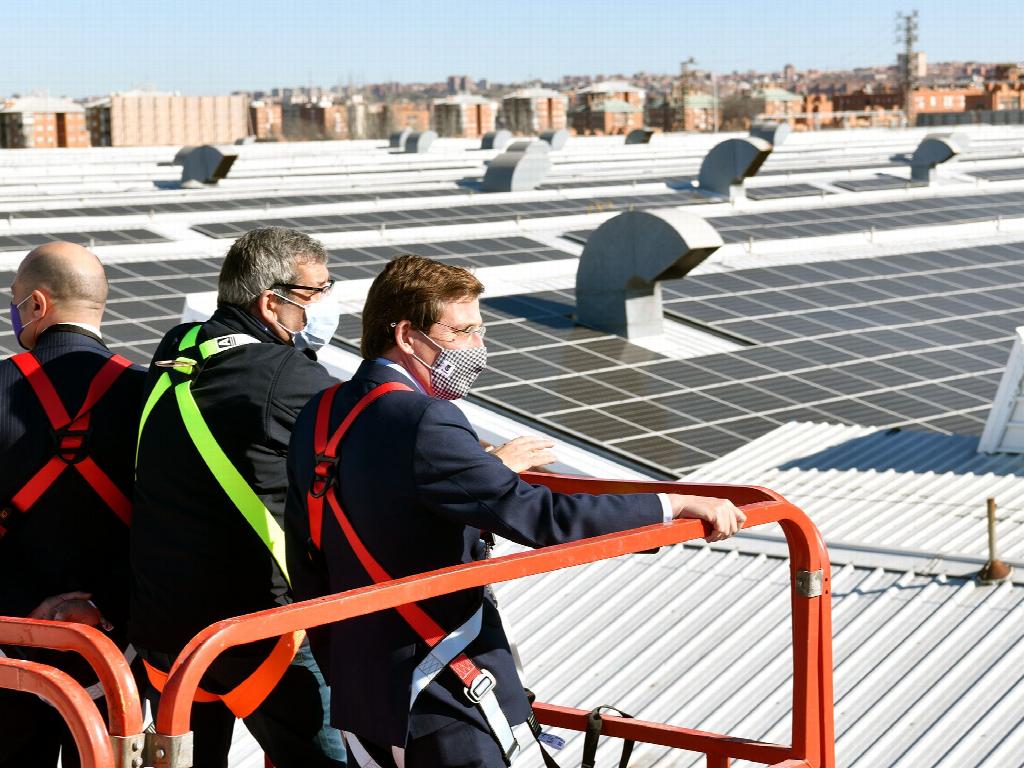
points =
(66, 479)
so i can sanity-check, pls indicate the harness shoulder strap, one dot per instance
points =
(71, 437)
(231, 481)
(446, 648)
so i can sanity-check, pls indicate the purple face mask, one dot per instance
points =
(16, 324)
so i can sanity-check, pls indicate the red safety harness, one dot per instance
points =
(71, 445)
(478, 683)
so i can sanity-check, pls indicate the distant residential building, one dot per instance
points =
(924, 100)
(997, 96)
(777, 102)
(406, 114)
(322, 120)
(459, 84)
(608, 107)
(464, 116)
(789, 73)
(863, 100)
(35, 122)
(157, 119)
(531, 110)
(918, 63)
(266, 120)
(667, 116)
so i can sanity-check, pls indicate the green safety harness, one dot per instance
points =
(230, 479)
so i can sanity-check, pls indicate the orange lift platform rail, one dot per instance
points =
(812, 725)
(121, 745)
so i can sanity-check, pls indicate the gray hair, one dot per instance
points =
(263, 258)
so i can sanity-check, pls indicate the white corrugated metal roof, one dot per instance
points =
(886, 488)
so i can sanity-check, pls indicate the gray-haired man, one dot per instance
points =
(206, 543)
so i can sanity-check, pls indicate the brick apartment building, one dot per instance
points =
(610, 107)
(266, 120)
(532, 110)
(320, 120)
(157, 119)
(777, 102)
(664, 114)
(464, 116)
(36, 122)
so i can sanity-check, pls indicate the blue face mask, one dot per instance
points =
(16, 324)
(322, 318)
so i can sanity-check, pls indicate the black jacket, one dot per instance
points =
(418, 488)
(70, 540)
(194, 558)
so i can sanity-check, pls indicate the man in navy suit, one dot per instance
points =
(414, 491)
(63, 529)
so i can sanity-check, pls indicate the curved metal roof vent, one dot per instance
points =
(556, 139)
(1004, 429)
(639, 136)
(934, 150)
(203, 165)
(774, 133)
(625, 259)
(417, 143)
(398, 138)
(729, 163)
(521, 167)
(496, 139)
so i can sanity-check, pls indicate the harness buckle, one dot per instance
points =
(325, 473)
(70, 443)
(481, 686)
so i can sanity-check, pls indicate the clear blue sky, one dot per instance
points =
(213, 46)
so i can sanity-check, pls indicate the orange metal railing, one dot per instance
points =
(124, 709)
(70, 700)
(812, 725)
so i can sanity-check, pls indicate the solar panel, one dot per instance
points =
(1000, 174)
(90, 239)
(879, 182)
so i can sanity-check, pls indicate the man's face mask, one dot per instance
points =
(322, 319)
(454, 370)
(16, 324)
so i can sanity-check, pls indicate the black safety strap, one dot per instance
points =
(594, 734)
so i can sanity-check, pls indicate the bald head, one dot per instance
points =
(58, 283)
(69, 273)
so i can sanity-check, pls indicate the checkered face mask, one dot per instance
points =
(455, 370)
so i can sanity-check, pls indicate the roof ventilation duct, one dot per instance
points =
(556, 139)
(521, 167)
(625, 259)
(639, 136)
(418, 143)
(496, 139)
(203, 165)
(397, 139)
(1004, 429)
(729, 163)
(934, 150)
(774, 133)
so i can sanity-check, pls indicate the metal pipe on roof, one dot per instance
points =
(995, 570)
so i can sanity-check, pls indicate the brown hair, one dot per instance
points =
(412, 288)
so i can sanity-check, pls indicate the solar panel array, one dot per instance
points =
(879, 182)
(1000, 174)
(146, 298)
(91, 239)
(917, 340)
(849, 219)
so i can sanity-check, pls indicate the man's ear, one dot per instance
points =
(403, 336)
(262, 308)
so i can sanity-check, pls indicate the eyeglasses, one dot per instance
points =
(323, 289)
(479, 330)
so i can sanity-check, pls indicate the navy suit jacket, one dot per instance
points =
(70, 540)
(418, 488)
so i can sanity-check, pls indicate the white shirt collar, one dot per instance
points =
(401, 369)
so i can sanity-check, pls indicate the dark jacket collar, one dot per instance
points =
(60, 334)
(238, 320)
(374, 372)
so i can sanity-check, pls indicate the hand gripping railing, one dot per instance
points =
(124, 710)
(812, 727)
(70, 700)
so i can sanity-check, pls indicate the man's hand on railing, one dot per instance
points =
(723, 517)
(526, 453)
(71, 606)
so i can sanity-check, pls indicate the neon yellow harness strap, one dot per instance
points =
(231, 481)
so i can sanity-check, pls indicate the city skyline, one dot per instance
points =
(205, 48)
